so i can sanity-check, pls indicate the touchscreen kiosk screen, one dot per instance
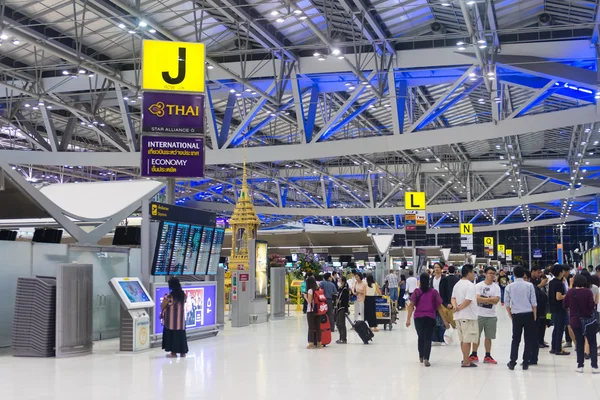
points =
(134, 291)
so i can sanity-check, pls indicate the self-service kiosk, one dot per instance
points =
(135, 318)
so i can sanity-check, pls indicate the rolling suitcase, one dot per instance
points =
(362, 329)
(325, 330)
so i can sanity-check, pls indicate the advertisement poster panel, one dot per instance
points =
(200, 306)
(261, 269)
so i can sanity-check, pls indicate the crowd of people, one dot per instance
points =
(468, 301)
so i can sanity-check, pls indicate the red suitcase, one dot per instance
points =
(325, 330)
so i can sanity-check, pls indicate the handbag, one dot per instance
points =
(588, 322)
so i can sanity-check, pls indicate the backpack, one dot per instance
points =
(320, 302)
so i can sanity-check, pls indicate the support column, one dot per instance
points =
(529, 239)
(170, 191)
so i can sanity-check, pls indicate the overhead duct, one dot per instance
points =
(437, 27)
(544, 19)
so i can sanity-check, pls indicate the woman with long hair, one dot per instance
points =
(174, 339)
(503, 283)
(370, 308)
(359, 290)
(582, 318)
(402, 286)
(424, 303)
(312, 317)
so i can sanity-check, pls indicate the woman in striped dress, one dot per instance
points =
(174, 339)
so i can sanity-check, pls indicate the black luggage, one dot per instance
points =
(363, 330)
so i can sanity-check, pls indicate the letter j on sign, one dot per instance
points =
(414, 200)
(173, 66)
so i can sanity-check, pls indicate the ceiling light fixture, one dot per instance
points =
(209, 66)
(335, 52)
(143, 24)
(4, 36)
(16, 41)
(280, 20)
(122, 26)
(152, 31)
(131, 32)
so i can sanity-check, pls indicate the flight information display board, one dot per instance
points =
(179, 247)
(191, 252)
(215, 251)
(204, 253)
(164, 248)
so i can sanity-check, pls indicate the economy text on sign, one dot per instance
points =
(173, 66)
(173, 157)
(414, 200)
(466, 229)
(173, 113)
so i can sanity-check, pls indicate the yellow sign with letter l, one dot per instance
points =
(414, 200)
(173, 66)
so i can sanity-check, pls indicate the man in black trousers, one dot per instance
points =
(521, 306)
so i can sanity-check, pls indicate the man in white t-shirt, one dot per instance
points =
(411, 283)
(488, 295)
(464, 302)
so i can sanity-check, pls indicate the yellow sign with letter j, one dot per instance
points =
(173, 66)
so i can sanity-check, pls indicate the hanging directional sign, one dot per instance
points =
(466, 237)
(415, 217)
(466, 229)
(501, 249)
(488, 244)
(414, 200)
(173, 66)
(508, 255)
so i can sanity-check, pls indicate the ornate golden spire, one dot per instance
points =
(244, 226)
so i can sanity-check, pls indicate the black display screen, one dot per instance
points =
(164, 248)
(215, 251)
(204, 253)
(179, 247)
(191, 253)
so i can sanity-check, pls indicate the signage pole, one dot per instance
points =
(414, 257)
(170, 191)
(529, 237)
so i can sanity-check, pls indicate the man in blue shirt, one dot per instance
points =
(330, 290)
(521, 305)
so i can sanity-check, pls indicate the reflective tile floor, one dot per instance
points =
(269, 361)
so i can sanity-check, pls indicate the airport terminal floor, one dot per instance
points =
(270, 361)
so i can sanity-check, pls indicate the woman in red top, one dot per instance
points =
(426, 301)
(580, 303)
(174, 339)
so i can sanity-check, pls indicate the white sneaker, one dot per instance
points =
(444, 344)
(595, 370)
(579, 370)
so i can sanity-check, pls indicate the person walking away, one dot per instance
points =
(488, 296)
(556, 295)
(360, 290)
(402, 294)
(424, 303)
(174, 339)
(438, 283)
(330, 290)
(465, 313)
(521, 306)
(580, 303)
(539, 281)
(503, 283)
(312, 316)
(342, 309)
(411, 283)
(370, 305)
(594, 288)
(392, 282)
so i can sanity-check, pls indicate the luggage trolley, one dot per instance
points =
(383, 311)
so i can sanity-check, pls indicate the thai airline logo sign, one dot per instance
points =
(173, 113)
